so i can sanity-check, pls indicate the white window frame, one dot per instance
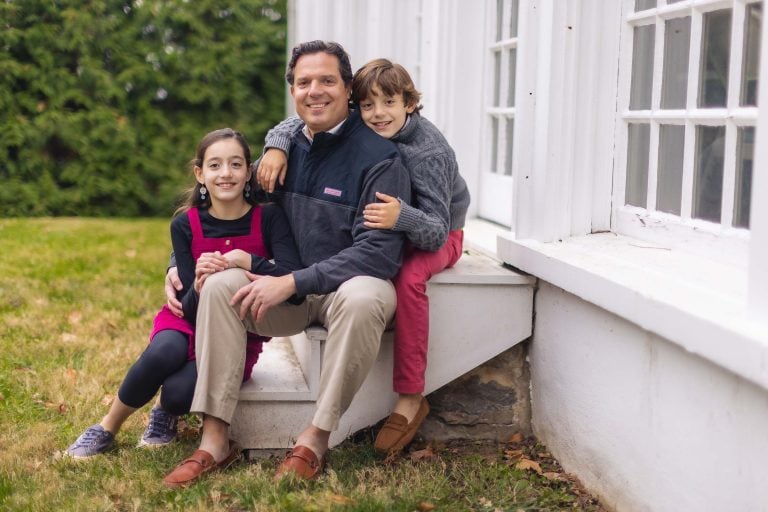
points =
(496, 188)
(716, 240)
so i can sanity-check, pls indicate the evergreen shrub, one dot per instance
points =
(103, 101)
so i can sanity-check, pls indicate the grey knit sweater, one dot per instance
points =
(439, 193)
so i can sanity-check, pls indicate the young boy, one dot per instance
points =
(389, 104)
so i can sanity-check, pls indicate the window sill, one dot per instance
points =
(698, 304)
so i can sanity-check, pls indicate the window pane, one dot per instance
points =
(510, 132)
(642, 68)
(708, 176)
(669, 185)
(641, 5)
(675, 79)
(715, 41)
(499, 18)
(496, 77)
(743, 192)
(751, 68)
(513, 18)
(636, 191)
(494, 144)
(511, 78)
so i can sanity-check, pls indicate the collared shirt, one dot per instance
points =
(335, 129)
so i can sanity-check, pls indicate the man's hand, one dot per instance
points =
(262, 293)
(272, 167)
(172, 285)
(382, 215)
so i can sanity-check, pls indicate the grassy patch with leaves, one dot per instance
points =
(77, 298)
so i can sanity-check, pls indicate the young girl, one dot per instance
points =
(389, 105)
(220, 226)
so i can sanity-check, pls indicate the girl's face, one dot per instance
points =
(224, 172)
(384, 114)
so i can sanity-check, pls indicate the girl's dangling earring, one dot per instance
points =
(247, 190)
(203, 191)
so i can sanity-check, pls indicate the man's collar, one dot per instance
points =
(334, 130)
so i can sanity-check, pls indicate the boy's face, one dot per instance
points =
(385, 114)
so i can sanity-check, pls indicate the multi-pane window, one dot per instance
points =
(691, 108)
(501, 110)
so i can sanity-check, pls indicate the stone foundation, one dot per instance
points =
(491, 402)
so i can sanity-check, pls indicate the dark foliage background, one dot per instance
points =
(102, 102)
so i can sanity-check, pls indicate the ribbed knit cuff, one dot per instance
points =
(278, 142)
(408, 219)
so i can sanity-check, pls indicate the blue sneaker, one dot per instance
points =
(93, 441)
(161, 429)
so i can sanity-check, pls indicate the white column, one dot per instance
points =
(758, 218)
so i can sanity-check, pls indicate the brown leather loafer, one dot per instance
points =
(397, 432)
(198, 464)
(302, 462)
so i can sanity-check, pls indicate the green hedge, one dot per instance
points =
(102, 102)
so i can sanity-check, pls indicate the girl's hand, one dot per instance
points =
(207, 264)
(238, 258)
(272, 167)
(382, 215)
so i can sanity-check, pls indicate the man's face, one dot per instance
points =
(319, 93)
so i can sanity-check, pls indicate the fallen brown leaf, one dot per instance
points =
(426, 453)
(341, 500)
(551, 475)
(528, 464)
(107, 399)
(517, 437)
(513, 454)
(425, 506)
(71, 374)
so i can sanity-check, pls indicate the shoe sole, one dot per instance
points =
(143, 444)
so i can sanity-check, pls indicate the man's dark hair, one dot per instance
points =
(317, 46)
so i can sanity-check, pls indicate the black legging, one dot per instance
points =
(163, 363)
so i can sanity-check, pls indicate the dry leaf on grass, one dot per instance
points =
(513, 455)
(74, 317)
(426, 453)
(552, 475)
(338, 499)
(530, 465)
(517, 437)
(425, 506)
(186, 431)
(71, 374)
(107, 399)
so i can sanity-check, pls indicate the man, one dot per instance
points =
(336, 166)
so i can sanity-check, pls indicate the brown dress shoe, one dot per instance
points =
(302, 462)
(397, 432)
(197, 465)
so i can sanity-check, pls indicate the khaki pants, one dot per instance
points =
(355, 316)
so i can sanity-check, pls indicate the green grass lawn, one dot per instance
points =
(77, 298)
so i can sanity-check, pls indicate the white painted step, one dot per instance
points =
(478, 309)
